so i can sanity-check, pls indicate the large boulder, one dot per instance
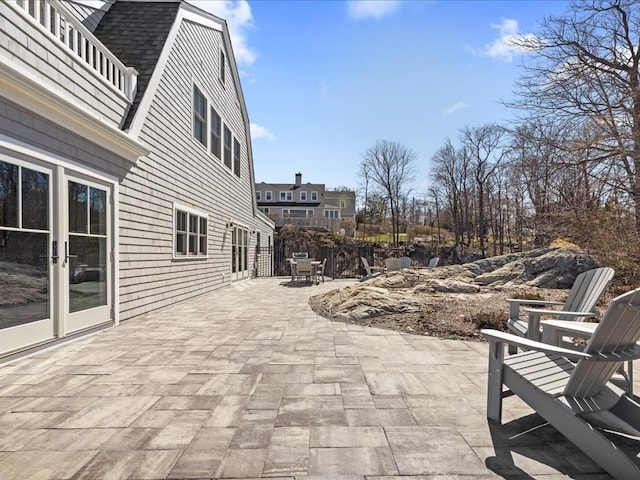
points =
(408, 290)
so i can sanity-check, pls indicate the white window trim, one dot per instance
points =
(200, 214)
(305, 196)
(314, 194)
(204, 145)
(268, 197)
(288, 196)
(258, 195)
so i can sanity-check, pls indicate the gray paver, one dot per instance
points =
(247, 382)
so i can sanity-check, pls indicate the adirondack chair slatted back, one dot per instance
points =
(303, 267)
(618, 331)
(365, 264)
(587, 290)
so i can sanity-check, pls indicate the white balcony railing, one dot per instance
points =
(76, 38)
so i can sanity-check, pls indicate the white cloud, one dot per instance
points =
(451, 109)
(510, 41)
(239, 19)
(377, 9)
(258, 131)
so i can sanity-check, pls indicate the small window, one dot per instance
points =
(267, 196)
(227, 147)
(264, 209)
(236, 157)
(216, 133)
(303, 196)
(222, 67)
(258, 195)
(190, 233)
(314, 196)
(343, 204)
(199, 116)
(286, 196)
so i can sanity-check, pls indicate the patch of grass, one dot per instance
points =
(494, 320)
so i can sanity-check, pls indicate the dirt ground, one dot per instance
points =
(452, 316)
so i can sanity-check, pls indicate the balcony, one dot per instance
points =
(323, 223)
(79, 42)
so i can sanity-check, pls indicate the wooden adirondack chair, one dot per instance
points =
(585, 293)
(371, 271)
(570, 389)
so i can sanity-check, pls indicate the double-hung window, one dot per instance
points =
(227, 147)
(258, 195)
(199, 116)
(236, 157)
(286, 196)
(303, 196)
(216, 133)
(267, 196)
(314, 196)
(190, 233)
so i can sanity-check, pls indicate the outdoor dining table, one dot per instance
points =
(314, 265)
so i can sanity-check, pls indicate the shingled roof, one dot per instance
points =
(136, 32)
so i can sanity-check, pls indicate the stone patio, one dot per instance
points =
(248, 382)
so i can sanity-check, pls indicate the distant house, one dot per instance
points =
(126, 170)
(305, 205)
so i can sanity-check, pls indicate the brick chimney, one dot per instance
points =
(298, 179)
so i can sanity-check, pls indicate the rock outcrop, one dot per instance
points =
(409, 289)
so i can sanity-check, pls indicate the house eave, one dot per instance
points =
(29, 92)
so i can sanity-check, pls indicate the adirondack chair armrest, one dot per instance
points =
(498, 337)
(515, 303)
(534, 314)
(522, 301)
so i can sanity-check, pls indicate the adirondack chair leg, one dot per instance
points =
(577, 430)
(494, 386)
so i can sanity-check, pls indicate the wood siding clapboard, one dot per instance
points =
(37, 53)
(180, 170)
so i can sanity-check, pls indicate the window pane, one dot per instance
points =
(216, 132)
(87, 272)
(35, 200)
(78, 208)
(227, 147)
(192, 244)
(8, 195)
(203, 226)
(236, 157)
(181, 243)
(98, 211)
(203, 245)
(193, 223)
(181, 221)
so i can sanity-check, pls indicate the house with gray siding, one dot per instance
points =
(123, 135)
(305, 204)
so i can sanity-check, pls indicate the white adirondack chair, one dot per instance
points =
(570, 389)
(372, 271)
(583, 296)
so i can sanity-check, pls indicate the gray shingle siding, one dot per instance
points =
(39, 54)
(181, 170)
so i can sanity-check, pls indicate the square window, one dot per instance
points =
(190, 233)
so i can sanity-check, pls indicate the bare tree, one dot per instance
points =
(587, 75)
(486, 150)
(391, 168)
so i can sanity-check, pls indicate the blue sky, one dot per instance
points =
(324, 80)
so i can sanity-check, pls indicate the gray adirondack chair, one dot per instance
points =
(570, 389)
(371, 270)
(433, 263)
(583, 296)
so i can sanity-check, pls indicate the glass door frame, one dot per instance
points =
(94, 316)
